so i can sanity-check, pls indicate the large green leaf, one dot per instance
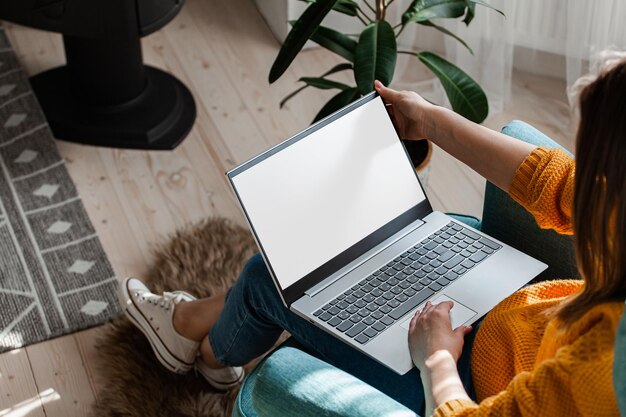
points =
(323, 83)
(471, 10)
(337, 102)
(299, 34)
(337, 68)
(375, 57)
(335, 42)
(348, 7)
(465, 95)
(447, 32)
(421, 10)
(487, 5)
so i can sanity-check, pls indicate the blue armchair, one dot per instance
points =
(291, 382)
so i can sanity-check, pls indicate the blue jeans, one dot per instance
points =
(254, 316)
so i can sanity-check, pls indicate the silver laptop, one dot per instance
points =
(352, 242)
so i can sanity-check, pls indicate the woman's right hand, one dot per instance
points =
(408, 110)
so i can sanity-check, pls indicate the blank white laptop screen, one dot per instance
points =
(319, 196)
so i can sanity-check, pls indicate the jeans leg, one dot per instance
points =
(254, 316)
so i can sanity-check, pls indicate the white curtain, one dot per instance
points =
(565, 35)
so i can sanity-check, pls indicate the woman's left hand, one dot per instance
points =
(430, 331)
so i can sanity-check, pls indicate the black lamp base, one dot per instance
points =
(158, 118)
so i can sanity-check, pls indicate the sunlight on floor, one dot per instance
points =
(25, 407)
(12, 340)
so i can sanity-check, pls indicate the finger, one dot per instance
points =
(463, 330)
(446, 305)
(427, 308)
(388, 94)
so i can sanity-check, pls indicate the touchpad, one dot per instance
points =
(458, 315)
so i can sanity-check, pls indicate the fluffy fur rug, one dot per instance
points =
(202, 259)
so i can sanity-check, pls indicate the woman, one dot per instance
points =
(545, 350)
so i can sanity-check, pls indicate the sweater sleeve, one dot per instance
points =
(544, 185)
(577, 380)
(529, 394)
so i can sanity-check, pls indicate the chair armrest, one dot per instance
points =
(619, 366)
(291, 380)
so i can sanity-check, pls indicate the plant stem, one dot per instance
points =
(361, 19)
(380, 9)
(400, 31)
(369, 6)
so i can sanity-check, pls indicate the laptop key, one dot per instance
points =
(489, 243)
(435, 287)
(369, 332)
(355, 318)
(362, 339)
(333, 310)
(381, 301)
(385, 309)
(318, 313)
(360, 304)
(409, 292)
(451, 276)
(478, 256)
(443, 281)
(471, 234)
(364, 312)
(325, 316)
(402, 298)
(388, 321)
(378, 326)
(367, 288)
(460, 270)
(430, 246)
(369, 321)
(344, 315)
(467, 264)
(356, 329)
(377, 315)
(445, 256)
(411, 304)
(453, 262)
(335, 321)
(393, 303)
(345, 325)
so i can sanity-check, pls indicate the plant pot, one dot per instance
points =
(419, 151)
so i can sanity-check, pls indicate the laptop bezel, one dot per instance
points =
(297, 290)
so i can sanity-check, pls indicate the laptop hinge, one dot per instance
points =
(321, 286)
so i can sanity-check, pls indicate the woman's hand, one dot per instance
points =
(430, 332)
(408, 110)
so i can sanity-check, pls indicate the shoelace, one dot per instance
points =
(165, 301)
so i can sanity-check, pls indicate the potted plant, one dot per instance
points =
(372, 55)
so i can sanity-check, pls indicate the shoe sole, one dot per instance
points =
(219, 385)
(164, 356)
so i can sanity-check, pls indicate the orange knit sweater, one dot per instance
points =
(524, 364)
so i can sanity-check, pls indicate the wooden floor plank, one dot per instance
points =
(57, 365)
(19, 395)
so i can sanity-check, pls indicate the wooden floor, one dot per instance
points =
(222, 50)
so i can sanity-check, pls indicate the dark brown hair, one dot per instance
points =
(599, 212)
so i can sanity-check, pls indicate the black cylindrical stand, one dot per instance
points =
(105, 96)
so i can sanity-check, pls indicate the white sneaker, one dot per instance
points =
(221, 379)
(153, 315)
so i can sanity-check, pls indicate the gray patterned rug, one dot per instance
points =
(54, 275)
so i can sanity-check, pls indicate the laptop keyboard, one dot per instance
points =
(378, 301)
